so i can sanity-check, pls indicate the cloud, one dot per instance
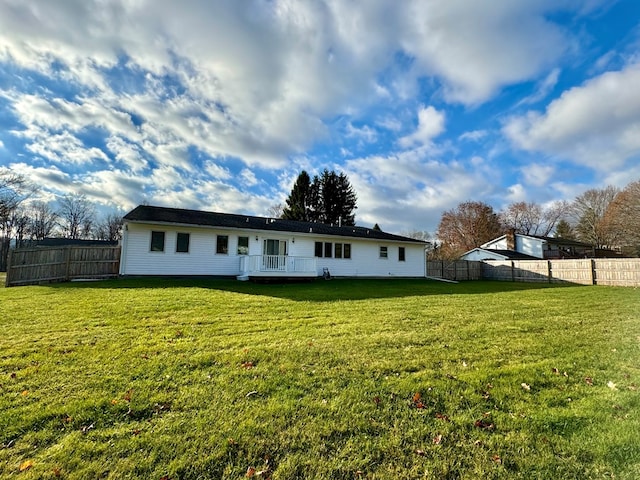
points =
(474, 135)
(596, 124)
(430, 125)
(543, 88)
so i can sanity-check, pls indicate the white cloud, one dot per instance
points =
(248, 177)
(537, 174)
(430, 125)
(364, 133)
(595, 125)
(543, 88)
(474, 135)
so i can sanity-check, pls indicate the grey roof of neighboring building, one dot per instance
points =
(511, 254)
(163, 215)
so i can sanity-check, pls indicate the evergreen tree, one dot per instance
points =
(334, 199)
(564, 230)
(329, 199)
(298, 202)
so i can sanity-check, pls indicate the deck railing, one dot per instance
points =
(277, 264)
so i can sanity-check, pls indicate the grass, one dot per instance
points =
(158, 379)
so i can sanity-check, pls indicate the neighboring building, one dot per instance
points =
(516, 246)
(170, 241)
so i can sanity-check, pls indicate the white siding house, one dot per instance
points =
(175, 242)
(516, 246)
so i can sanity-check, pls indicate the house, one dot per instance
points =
(516, 246)
(170, 241)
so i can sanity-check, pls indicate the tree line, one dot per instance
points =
(25, 219)
(606, 218)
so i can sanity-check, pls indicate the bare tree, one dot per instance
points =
(275, 211)
(110, 228)
(530, 218)
(589, 212)
(42, 220)
(623, 216)
(467, 226)
(77, 216)
(14, 190)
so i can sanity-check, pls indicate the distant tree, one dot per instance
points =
(298, 203)
(564, 230)
(275, 211)
(77, 216)
(589, 211)
(377, 228)
(530, 218)
(15, 189)
(623, 215)
(329, 199)
(110, 227)
(42, 220)
(417, 234)
(466, 227)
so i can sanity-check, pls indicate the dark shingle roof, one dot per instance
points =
(150, 214)
(511, 254)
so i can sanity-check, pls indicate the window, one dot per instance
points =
(319, 249)
(383, 252)
(346, 250)
(401, 254)
(243, 245)
(222, 244)
(327, 249)
(157, 241)
(182, 243)
(338, 250)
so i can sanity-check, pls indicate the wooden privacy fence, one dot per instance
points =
(456, 270)
(624, 272)
(30, 266)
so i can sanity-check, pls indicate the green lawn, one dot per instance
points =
(348, 379)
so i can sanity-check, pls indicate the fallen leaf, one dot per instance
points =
(136, 431)
(555, 370)
(248, 365)
(612, 385)
(251, 393)
(68, 419)
(26, 465)
(164, 477)
(589, 381)
(376, 400)
(13, 375)
(442, 416)
(114, 401)
(420, 452)
(416, 397)
(497, 459)
(57, 472)
(437, 439)
(25, 393)
(250, 472)
(464, 364)
(128, 395)
(526, 386)
(484, 424)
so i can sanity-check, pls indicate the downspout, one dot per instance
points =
(123, 248)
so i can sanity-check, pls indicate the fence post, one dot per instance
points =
(594, 280)
(8, 277)
(513, 271)
(549, 273)
(67, 261)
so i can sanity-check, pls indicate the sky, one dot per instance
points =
(219, 104)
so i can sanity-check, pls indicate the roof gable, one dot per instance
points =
(163, 215)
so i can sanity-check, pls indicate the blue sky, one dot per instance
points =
(218, 105)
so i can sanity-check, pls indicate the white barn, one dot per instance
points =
(176, 242)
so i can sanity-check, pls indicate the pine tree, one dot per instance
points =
(298, 202)
(329, 199)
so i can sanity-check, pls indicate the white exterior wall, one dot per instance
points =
(138, 259)
(365, 258)
(530, 246)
